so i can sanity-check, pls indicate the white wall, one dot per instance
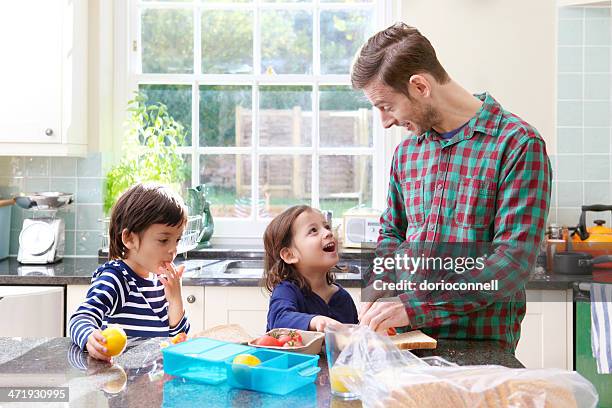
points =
(504, 47)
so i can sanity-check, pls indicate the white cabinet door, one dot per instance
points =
(546, 330)
(246, 306)
(193, 301)
(31, 311)
(43, 77)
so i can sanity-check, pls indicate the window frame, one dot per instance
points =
(127, 80)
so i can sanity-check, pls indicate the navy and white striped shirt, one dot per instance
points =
(117, 295)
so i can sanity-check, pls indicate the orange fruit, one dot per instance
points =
(116, 339)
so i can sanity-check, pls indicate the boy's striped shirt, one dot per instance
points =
(119, 296)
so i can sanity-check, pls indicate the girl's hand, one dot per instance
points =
(318, 323)
(96, 346)
(171, 279)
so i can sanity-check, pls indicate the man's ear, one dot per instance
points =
(288, 256)
(420, 85)
(130, 239)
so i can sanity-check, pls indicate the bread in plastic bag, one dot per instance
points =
(384, 376)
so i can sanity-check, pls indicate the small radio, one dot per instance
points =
(361, 230)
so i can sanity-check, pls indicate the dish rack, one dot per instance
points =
(189, 239)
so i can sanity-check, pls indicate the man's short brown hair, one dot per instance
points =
(393, 55)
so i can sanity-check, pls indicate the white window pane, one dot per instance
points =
(284, 181)
(342, 33)
(286, 41)
(227, 42)
(177, 99)
(228, 182)
(225, 115)
(167, 41)
(285, 116)
(345, 117)
(344, 182)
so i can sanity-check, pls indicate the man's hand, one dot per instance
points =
(318, 323)
(384, 313)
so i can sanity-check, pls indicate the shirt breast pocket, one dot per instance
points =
(413, 201)
(475, 207)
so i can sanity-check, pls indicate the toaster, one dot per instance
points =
(361, 230)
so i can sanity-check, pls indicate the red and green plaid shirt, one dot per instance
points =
(490, 182)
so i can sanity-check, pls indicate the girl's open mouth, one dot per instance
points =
(331, 247)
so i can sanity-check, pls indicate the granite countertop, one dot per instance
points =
(204, 272)
(137, 378)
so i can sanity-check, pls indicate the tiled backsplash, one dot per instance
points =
(82, 177)
(582, 170)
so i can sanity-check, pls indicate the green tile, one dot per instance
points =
(570, 86)
(91, 166)
(63, 167)
(597, 140)
(597, 32)
(570, 32)
(88, 243)
(569, 167)
(569, 140)
(569, 59)
(17, 215)
(89, 191)
(597, 12)
(14, 244)
(569, 113)
(36, 184)
(70, 243)
(571, 12)
(596, 192)
(597, 59)
(596, 113)
(597, 86)
(36, 166)
(569, 193)
(552, 216)
(568, 216)
(64, 185)
(596, 167)
(12, 166)
(87, 216)
(69, 217)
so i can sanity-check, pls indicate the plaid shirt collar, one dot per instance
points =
(485, 121)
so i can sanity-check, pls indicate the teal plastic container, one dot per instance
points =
(279, 372)
(201, 359)
(5, 231)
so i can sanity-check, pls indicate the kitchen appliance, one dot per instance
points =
(577, 263)
(42, 237)
(360, 230)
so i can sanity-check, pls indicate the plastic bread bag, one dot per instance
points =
(384, 376)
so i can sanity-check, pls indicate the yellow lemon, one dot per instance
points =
(338, 374)
(116, 339)
(247, 359)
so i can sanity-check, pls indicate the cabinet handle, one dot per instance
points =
(191, 299)
(48, 131)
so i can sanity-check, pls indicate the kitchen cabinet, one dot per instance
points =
(31, 311)
(193, 301)
(43, 78)
(547, 330)
(246, 306)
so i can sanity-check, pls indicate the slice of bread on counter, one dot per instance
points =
(413, 340)
(233, 333)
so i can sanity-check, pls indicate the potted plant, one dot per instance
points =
(150, 151)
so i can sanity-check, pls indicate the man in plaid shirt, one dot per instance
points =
(471, 172)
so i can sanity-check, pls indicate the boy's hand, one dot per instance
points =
(318, 323)
(171, 279)
(96, 346)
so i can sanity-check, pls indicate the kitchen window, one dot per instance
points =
(263, 89)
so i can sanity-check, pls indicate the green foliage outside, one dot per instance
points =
(149, 151)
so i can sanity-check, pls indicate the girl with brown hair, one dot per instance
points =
(300, 254)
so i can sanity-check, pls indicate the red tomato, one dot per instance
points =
(391, 331)
(267, 341)
(284, 338)
(295, 336)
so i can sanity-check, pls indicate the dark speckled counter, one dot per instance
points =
(78, 271)
(137, 378)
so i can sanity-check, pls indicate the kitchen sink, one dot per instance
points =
(249, 268)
